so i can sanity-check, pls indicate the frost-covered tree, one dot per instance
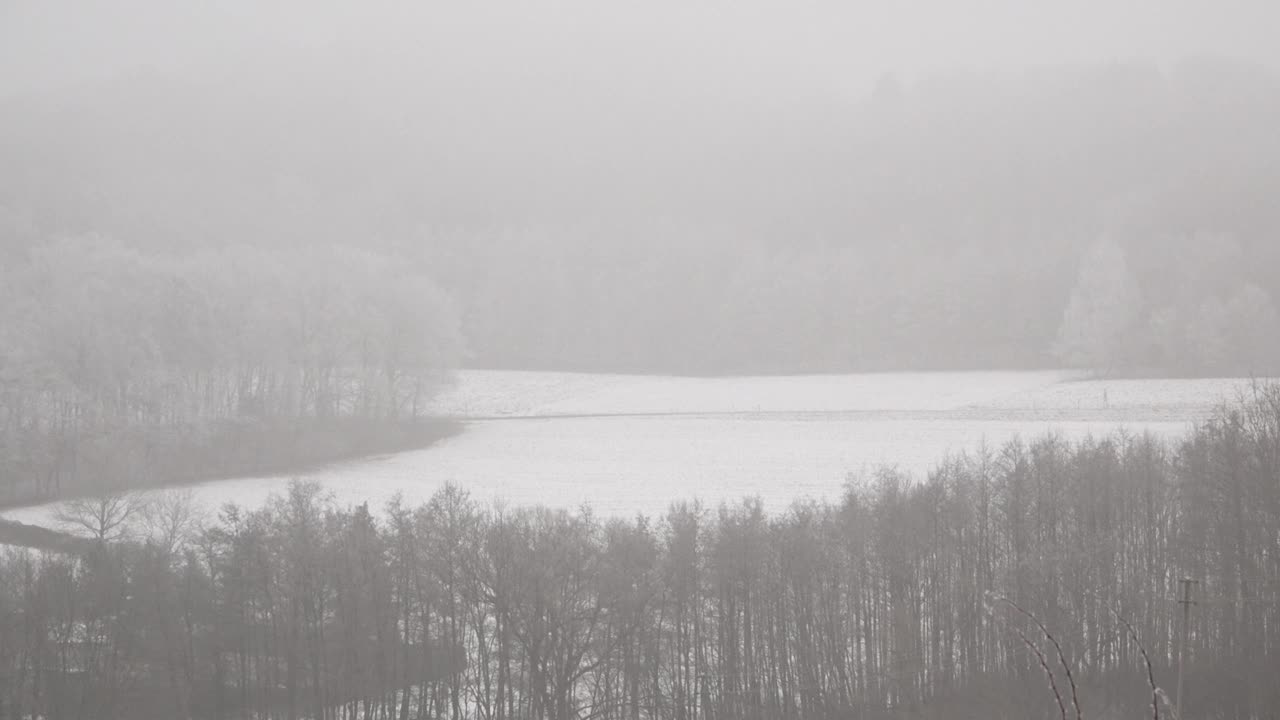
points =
(1207, 346)
(1103, 308)
(1254, 330)
(1237, 335)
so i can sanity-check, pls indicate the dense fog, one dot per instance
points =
(759, 188)
(563, 249)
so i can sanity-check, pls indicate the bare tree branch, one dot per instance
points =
(105, 517)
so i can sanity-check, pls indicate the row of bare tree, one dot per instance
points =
(895, 602)
(113, 361)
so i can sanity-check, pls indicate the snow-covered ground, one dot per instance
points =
(627, 444)
(1138, 397)
(518, 393)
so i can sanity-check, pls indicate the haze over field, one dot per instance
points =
(580, 360)
(717, 187)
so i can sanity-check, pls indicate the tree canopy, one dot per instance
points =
(112, 355)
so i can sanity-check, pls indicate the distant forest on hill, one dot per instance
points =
(1119, 217)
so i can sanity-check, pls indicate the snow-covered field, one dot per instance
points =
(627, 444)
(515, 393)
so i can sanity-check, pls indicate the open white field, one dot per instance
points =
(488, 393)
(627, 444)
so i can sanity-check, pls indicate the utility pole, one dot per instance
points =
(1186, 604)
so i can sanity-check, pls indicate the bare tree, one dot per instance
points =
(106, 516)
(171, 518)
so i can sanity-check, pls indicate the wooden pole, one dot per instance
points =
(1186, 604)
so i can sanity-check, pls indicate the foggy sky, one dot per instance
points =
(768, 48)
(195, 122)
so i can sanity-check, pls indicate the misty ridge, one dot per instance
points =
(591, 361)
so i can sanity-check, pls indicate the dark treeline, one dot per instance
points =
(886, 604)
(1118, 216)
(120, 368)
